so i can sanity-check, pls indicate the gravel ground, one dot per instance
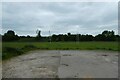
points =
(62, 64)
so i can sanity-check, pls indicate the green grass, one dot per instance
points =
(19, 48)
(65, 45)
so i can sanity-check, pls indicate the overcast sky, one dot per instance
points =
(60, 18)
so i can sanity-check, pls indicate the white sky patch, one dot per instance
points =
(59, 0)
(0, 18)
(78, 17)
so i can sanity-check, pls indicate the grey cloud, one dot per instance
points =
(90, 17)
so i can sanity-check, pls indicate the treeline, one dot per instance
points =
(10, 36)
(104, 36)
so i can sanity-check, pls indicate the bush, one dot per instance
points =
(12, 50)
(29, 47)
(9, 52)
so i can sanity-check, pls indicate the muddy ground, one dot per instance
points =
(62, 64)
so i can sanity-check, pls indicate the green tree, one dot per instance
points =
(10, 36)
(38, 37)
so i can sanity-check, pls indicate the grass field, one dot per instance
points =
(65, 45)
(11, 49)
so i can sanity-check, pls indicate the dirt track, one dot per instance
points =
(62, 64)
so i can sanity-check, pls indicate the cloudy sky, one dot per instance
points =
(60, 18)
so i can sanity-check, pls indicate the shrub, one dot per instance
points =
(29, 47)
(8, 52)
